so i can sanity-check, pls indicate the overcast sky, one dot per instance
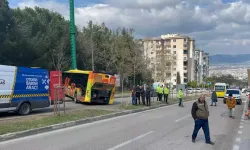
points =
(218, 26)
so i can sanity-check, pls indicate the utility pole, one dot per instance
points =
(92, 52)
(72, 35)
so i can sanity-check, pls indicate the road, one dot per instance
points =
(166, 128)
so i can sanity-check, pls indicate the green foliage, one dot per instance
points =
(40, 38)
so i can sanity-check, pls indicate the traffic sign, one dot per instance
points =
(208, 83)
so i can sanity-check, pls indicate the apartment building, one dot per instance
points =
(201, 65)
(169, 55)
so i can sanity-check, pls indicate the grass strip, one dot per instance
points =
(42, 121)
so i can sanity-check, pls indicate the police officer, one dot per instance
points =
(160, 93)
(166, 92)
(180, 95)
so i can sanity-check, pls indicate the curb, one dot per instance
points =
(20, 134)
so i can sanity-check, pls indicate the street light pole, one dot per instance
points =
(72, 35)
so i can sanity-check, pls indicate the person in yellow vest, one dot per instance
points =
(166, 91)
(157, 91)
(231, 102)
(160, 93)
(180, 95)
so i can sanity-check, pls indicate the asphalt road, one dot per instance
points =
(167, 128)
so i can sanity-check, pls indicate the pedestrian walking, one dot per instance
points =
(166, 92)
(213, 98)
(148, 95)
(200, 114)
(231, 103)
(180, 96)
(143, 94)
(138, 95)
(133, 96)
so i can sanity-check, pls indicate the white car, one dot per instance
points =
(235, 93)
(189, 90)
(198, 90)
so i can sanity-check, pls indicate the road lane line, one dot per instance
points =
(236, 147)
(182, 118)
(239, 132)
(240, 127)
(129, 141)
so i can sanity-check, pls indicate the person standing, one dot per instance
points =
(143, 94)
(231, 103)
(157, 91)
(200, 114)
(138, 95)
(166, 92)
(148, 95)
(133, 96)
(160, 93)
(180, 96)
(213, 98)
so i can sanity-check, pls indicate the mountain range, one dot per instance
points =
(229, 59)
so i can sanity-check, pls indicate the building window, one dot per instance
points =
(185, 52)
(174, 52)
(174, 40)
(152, 53)
(185, 40)
(185, 45)
(174, 46)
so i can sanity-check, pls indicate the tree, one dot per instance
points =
(178, 78)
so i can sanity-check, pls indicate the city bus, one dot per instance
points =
(89, 86)
(221, 89)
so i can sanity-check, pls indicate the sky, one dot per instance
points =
(218, 26)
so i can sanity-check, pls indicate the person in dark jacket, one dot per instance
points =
(213, 98)
(143, 94)
(148, 95)
(138, 94)
(200, 114)
(133, 95)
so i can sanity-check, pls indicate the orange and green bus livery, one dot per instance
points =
(89, 87)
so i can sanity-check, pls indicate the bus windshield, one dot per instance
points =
(219, 88)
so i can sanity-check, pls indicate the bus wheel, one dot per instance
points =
(24, 109)
(75, 98)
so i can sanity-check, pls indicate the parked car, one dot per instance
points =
(198, 90)
(189, 90)
(235, 93)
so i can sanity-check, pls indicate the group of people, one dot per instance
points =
(230, 101)
(162, 91)
(141, 93)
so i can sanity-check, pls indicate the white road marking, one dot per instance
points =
(83, 125)
(236, 147)
(238, 140)
(129, 141)
(242, 123)
(240, 127)
(239, 132)
(182, 118)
